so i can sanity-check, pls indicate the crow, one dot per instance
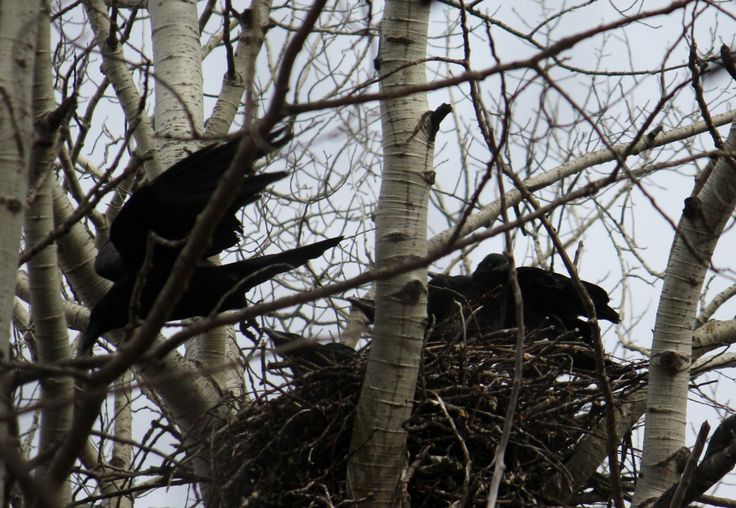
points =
(306, 355)
(543, 292)
(169, 204)
(443, 292)
(545, 295)
(167, 208)
(552, 307)
(212, 288)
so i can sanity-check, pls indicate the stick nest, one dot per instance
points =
(290, 446)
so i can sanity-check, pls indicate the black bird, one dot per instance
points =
(366, 306)
(168, 207)
(443, 292)
(722, 437)
(552, 308)
(305, 355)
(169, 204)
(212, 288)
(544, 293)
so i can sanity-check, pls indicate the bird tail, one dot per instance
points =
(255, 271)
(606, 312)
(90, 336)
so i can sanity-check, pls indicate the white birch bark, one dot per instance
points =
(487, 216)
(177, 60)
(697, 234)
(76, 315)
(122, 450)
(113, 65)
(47, 307)
(179, 117)
(379, 440)
(77, 252)
(591, 451)
(245, 57)
(218, 350)
(18, 28)
(188, 397)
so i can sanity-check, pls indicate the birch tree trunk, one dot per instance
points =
(700, 227)
(218, 351)
(179, 124)
(189, 397)
(18, 28)
(44, 281)
(177, 58)
(115, 69)
(379, 439)
(243, 75)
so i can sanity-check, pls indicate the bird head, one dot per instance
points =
(108, 314)
(492, 264)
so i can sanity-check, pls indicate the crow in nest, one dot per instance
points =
(545, 294)
(304, 355)
(167, 207)
(552, 307)
(444, 293)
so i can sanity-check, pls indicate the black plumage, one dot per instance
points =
(544, 293)
(722, 437)
(549, 298)
(169, 204)
(306, 355)
(443, 292)
(552, 307)
(211, 289)
(168, 207)
(480, 307)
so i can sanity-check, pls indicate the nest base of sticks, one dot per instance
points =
(291, 446)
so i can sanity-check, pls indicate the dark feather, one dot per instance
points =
(212, 288)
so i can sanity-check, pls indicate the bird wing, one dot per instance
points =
(169, 204)
(251, 272)
(555, 294)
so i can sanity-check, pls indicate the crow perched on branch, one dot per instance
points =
(167, 208)
(169, 204)
(212, 288)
